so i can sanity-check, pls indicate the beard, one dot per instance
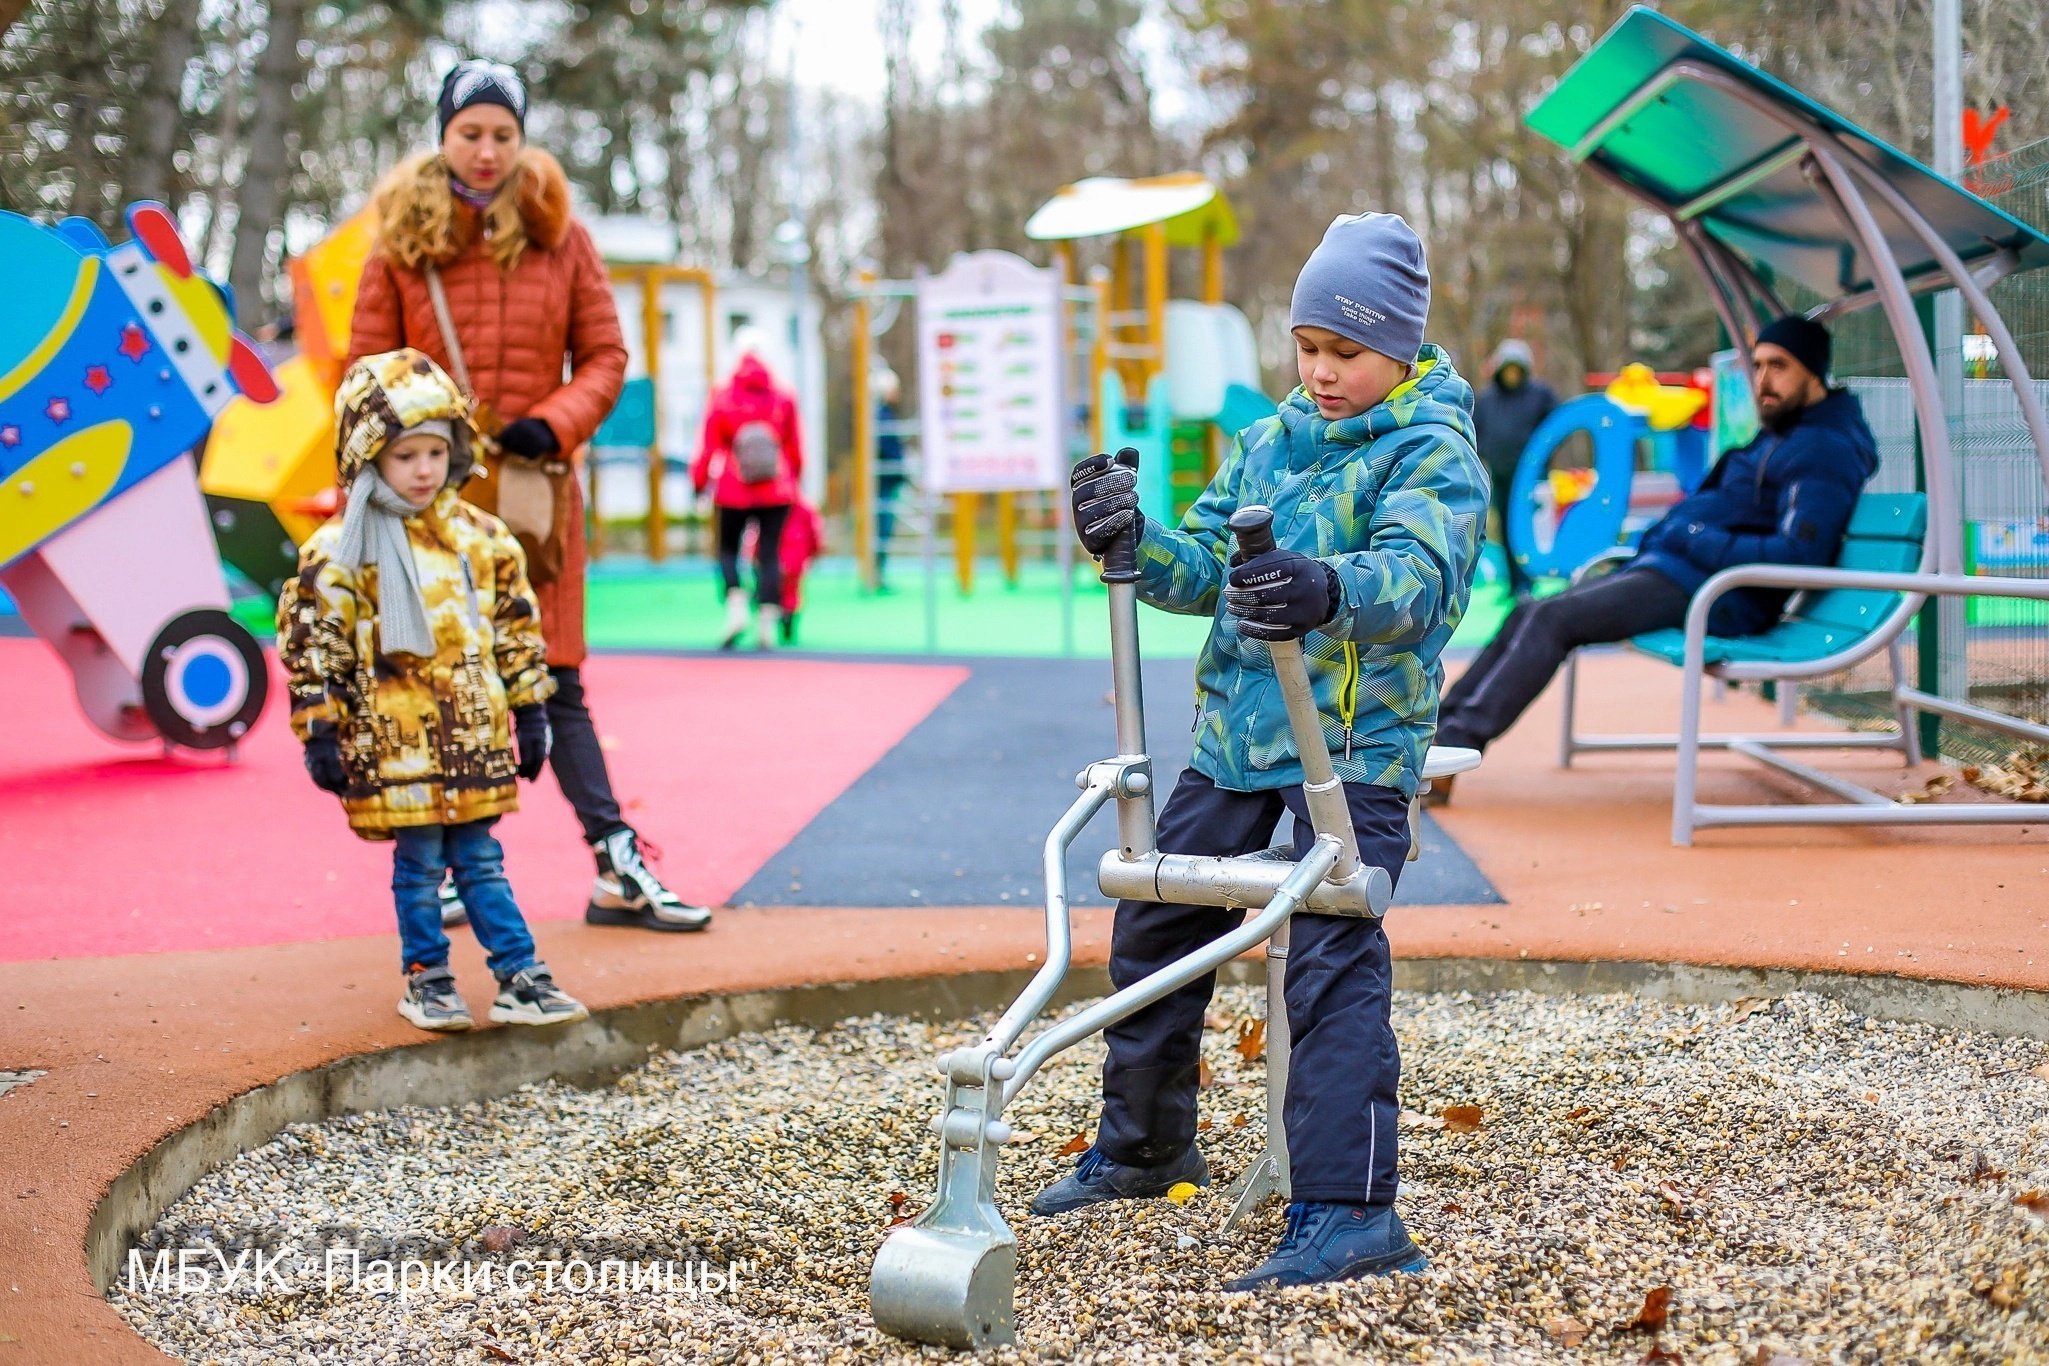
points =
(1783, 418)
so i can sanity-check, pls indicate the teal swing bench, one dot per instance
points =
(1763, 184)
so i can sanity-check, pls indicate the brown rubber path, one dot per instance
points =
(138, 1047)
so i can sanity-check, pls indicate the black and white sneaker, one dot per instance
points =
(628, 892)
(431, 1001)
(530, 997)
(453, 912)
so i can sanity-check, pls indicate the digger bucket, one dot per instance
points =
(946, 1286)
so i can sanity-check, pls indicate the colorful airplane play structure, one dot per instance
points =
(114, 363)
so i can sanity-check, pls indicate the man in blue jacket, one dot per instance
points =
(1783, 499)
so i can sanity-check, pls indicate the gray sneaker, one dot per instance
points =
(1096, 1178)
(530, 997)
(431, 1001)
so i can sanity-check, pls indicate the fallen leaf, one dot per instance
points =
(1747, 1006)
(1463, 1119)
(1576, 1111)
(496, 1350)
(1981, 1170)
(1204, 1074)
(1657, 1355)
(1452, 1207)
(2042, 1072)
(2004, 1292)
(2035, 1203)
(1239, 1121)
(498, 1238)
(1251, 1043)
(1202, 1126)
(1216, 1019)
(2022, 775)
(897, 1200)
(1657, 1307)
(1680, 1201)
(1181, 1192)
(1416, 1119)
(1569, 1332)
(1935, 787)
(1078, 1144)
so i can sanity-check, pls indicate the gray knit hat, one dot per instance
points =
(1367, 280)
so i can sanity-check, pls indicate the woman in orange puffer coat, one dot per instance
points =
(526, 292)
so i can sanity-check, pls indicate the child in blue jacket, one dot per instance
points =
(1379, 502)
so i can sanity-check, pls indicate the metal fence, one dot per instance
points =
(1991, 651)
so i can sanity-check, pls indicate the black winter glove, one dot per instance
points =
(530, 729)
(1281, 595)
(324, 764)
(529, 437)
(1105, 498)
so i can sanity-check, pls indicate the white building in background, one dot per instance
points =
(762, 304)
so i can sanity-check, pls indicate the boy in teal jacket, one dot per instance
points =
(1379, 503)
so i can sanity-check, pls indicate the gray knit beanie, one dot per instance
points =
(1367, 281)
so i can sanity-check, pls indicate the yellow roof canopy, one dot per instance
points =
(1193, 209)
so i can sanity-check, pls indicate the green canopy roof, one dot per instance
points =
(1687, 144)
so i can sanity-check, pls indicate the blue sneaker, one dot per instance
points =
(1336, 1243)
(1096, 1178)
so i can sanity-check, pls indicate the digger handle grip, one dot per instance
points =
(1120, 561)
(1253, 526)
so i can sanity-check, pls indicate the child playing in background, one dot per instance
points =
(801, 543)
(411, 640)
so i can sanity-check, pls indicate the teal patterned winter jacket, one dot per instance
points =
(1394, 501)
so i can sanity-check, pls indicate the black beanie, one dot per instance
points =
(1806, 340)
(474, 82)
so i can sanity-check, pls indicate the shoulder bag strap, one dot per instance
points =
(454, 343)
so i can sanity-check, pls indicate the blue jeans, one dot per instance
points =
(422, 854)
(1341, 1110)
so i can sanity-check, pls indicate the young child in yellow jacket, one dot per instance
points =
(414, 652)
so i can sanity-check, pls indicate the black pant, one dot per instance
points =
(1344, 1069)
(1537, 637)
(578, 762)
(1497, 500)
(768, 538)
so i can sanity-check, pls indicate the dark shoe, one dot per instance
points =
(530, 997)
(789, 628)
(628, 892)
(453, 912)
(431, 1001)
(1096, 1178)
(1336, 1243)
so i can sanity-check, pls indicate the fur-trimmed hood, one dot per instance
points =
(420, 222)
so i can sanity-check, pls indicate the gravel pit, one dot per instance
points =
(1596, 1178)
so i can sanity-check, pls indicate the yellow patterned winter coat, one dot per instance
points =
(424, 741)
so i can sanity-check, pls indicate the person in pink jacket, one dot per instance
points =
(751, 447)
(802, 540)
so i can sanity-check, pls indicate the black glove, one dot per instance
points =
(530, 729)
(1281, 595)
(1105, 498)
(529, 437)
(324, 764)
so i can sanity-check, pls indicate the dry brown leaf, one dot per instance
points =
(498, 1238)
(1576, 1111)
(2004, 1292)
(1463, 1119)
(1251, 1043)
(1658, 1355)
(496, 1350)
(2042, 1072)
(1657, 1307)
(1680, 1201)
(1981, 1170)
(1748, 1006)
(1569, 1332)
(2022, 776)
(1216, 1019)
(1239, 1121)
(2035, 1203)
(1202, 1126)
(1078, 1144)
(1416, 1119)
(1204, 1074)
(1935, 787)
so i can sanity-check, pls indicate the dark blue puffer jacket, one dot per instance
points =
(1782, 499)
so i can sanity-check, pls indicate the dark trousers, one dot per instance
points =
(1497, 500)
(1343, 1072)
(1537, 637)
(768, 539)
(578, 761)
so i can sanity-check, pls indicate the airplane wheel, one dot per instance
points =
(204, 680)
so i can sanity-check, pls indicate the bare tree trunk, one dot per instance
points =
(161, 113)
(263, 181)
(82, 119)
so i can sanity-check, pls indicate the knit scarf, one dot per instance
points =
(374, 532)
(479, 200)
